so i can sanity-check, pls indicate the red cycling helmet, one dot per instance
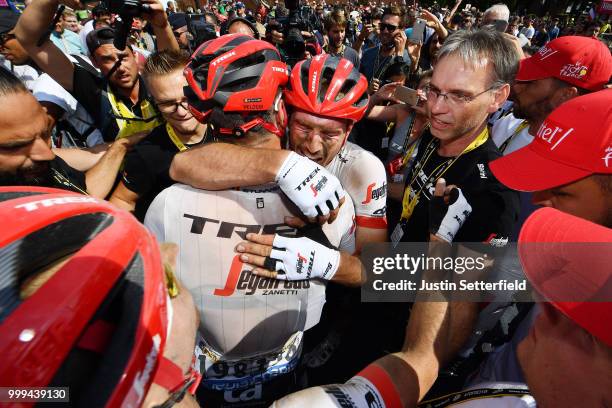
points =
(236, 73)
(104, 310)
(328, 86)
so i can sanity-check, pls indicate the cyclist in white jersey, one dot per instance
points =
(251, 327)
(317, 131)
(325, 97)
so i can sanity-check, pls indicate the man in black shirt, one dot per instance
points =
(117, 100)
(26, 157)
(145, 173)
(461, 95)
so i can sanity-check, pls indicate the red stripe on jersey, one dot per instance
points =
(371, 222)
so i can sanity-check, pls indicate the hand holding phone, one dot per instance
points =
(407, 95)
(418, 31)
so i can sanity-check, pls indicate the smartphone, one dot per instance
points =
(418, 31)
(407, 95)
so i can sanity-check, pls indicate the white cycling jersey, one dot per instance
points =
(251, 326)
(364, 178)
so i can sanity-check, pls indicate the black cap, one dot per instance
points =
(8, 19)
(245, 21)
(101, 36)
(177, 20)
(100, 10)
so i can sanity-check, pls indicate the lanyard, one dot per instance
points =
(412, 195)
(61, 179)
(378, 63)
(123, 115)
(518, 130)
(175, 139)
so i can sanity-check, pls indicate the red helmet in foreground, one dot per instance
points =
(83, 301)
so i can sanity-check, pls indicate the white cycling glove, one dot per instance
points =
(446, 219)
(370, 388)
(302, 258)
(310, 186)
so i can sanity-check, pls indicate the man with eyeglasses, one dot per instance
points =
(470, 81)
(145, 173)
(461, 95)
(392, 48)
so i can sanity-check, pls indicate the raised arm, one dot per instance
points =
(219, 166)
(32, 25)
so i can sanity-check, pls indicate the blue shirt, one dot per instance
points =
(68, 42)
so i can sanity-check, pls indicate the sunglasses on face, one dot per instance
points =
(388, 27)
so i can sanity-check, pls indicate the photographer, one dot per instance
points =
(290, 32)
(118, 101)
(392, 49)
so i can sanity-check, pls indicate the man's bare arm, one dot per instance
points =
(220, 166)
(32, 24)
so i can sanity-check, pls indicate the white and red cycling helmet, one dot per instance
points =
(97, 320)
(328, 86)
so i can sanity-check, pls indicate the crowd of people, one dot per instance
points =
(187, 194)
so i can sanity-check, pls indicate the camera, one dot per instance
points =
(291, 26)
(127, 10)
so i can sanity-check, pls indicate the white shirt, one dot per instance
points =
(364, 178)
(48, 90)
(506, 128)
(242, 315)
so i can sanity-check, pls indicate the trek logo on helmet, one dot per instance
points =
(223, 58)
(49, 202)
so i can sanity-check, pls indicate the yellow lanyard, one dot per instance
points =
(61, 179)
(411, 198)
(518, 130)
(129, 127)
(177, 142)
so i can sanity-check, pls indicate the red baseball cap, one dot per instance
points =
(581, 61)
(574, 141)
(567, 260)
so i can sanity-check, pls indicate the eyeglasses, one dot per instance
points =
(452, 98)
(4, 37)
(388, 27)
(172, 106)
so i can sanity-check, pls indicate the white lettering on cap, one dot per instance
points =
(577, 70)
(551, 134)
(608, 156)
(546, 52)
